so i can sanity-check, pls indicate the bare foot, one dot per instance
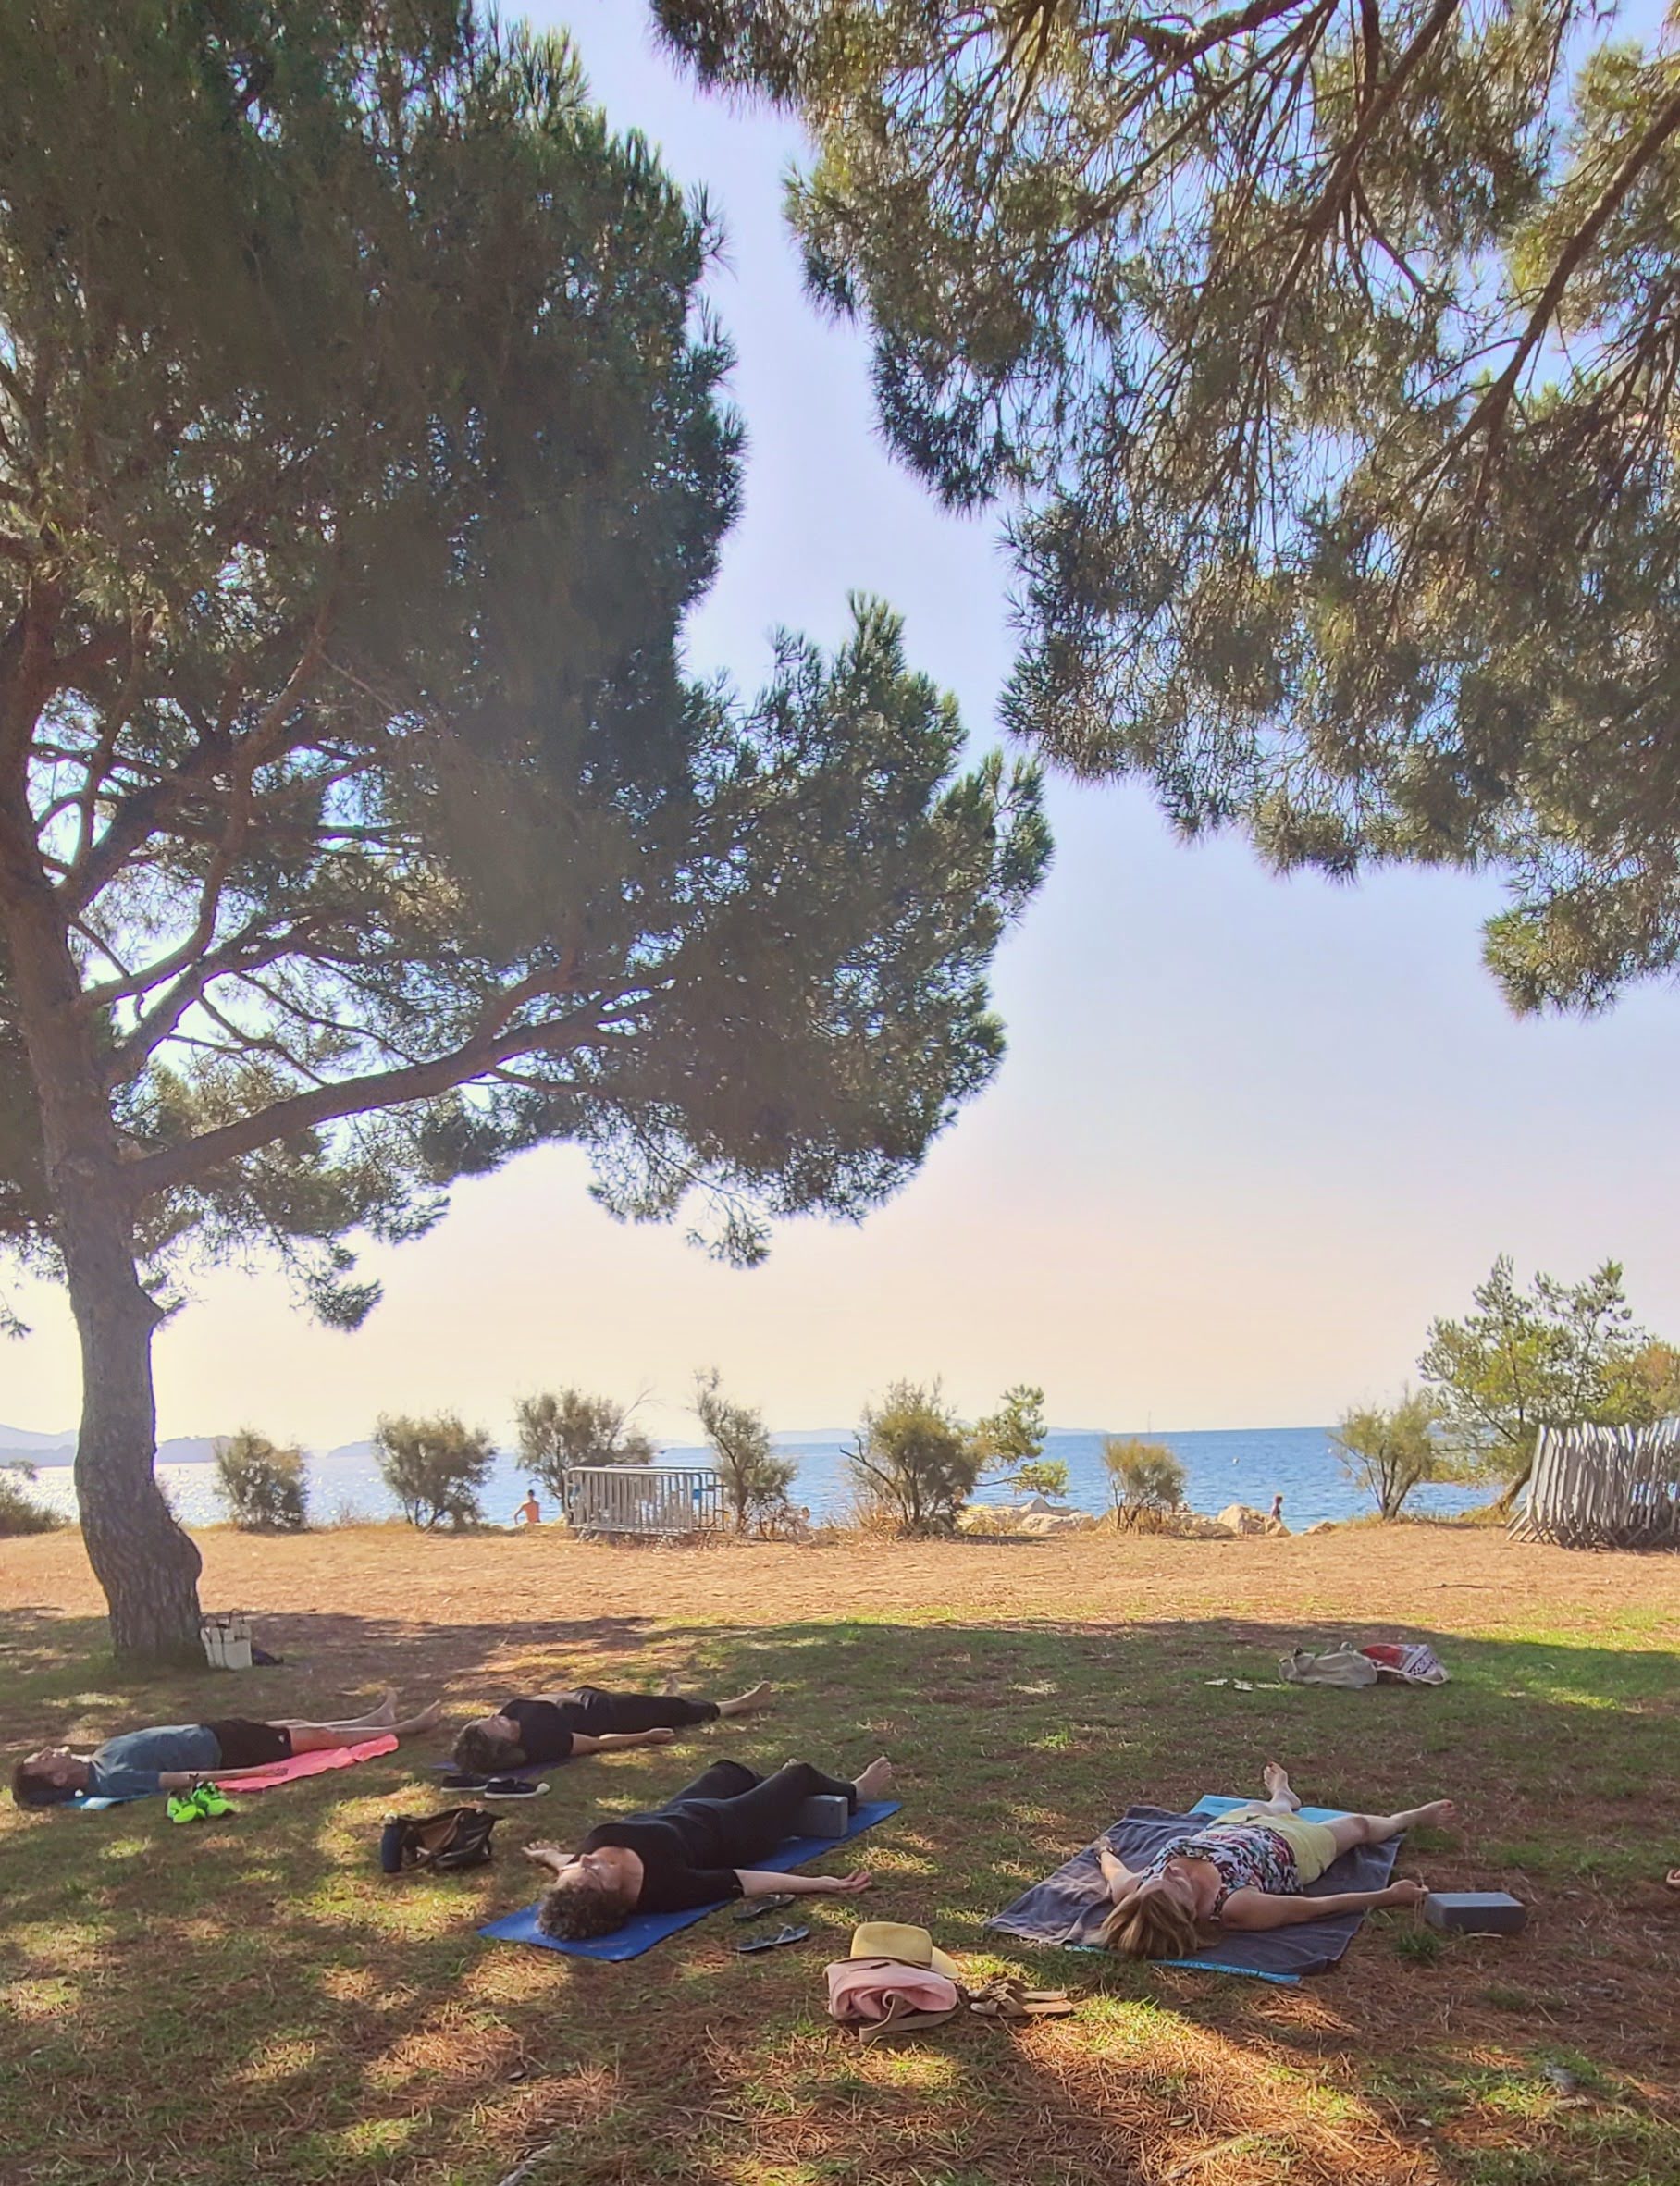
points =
(876, 1781)
(426, 1719)
(1437, 1813)
(1277, 1782)
(746, 1703)
(1672, 1878)
(386, 1711)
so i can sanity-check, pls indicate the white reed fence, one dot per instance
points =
(1604, 1487)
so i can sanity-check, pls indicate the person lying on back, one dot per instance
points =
(176, 1757)
(699, 1848)
(549, 1727)
(1248, 1869)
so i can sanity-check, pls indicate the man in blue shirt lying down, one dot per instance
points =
(176, 1757)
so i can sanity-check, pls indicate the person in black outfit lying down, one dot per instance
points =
(695, 1850)
(584, 1719)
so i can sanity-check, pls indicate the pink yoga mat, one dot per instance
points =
(311, 1764)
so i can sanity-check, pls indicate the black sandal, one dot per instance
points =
(756, 1908)
(772, 1943)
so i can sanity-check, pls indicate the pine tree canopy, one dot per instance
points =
(1324, 354)
(362, 450)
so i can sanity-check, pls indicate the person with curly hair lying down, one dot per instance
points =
(177, 1756)
(1247, 1869)
(695, 1850)
(549, 1727)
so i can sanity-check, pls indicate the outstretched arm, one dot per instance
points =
(612, 1741)
(1259, 1908)
(761, 1883)
(189, 1779)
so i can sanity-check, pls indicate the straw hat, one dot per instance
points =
(906, 1946)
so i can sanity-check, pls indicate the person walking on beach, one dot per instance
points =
(1247, 1871)
(178, 1756)
(1278, 1507)
(695, 1850)
(584, 1719)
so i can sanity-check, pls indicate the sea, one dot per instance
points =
(1222, 1465)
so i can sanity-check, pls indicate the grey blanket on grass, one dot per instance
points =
(1069, 1907)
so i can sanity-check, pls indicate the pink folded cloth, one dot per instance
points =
(313, 1764)
(863, 1991)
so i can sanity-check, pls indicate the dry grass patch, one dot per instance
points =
(253, 1998)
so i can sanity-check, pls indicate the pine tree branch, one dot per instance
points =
(251, 949)
(1345, 169)
(1494, 406)
(142, 813)
(186, 1163)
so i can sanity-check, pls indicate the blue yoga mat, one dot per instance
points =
(1069, 1907)
(644, 1929)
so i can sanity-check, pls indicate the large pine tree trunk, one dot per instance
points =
(145, 1564)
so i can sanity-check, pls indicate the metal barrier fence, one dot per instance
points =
(664, 1500)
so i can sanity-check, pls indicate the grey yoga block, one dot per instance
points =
(824, 1814)
(1476, 1912)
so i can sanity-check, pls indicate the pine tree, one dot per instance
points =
(361, 450)
(1324, 358)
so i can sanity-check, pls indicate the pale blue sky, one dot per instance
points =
(1251, 1134)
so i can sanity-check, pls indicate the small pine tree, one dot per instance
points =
(1145, 1480)
(914, 1460)
(435, 1468)
(264, 1487)
(1557, 1354)
(559, 1428)
(1389, 1453)
(755, 1481)
(1011, 1442)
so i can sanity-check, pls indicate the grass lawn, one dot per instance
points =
(252, 2000)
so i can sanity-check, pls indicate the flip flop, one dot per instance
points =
(772, 1943)
(1007, 1997)
(756, 1908)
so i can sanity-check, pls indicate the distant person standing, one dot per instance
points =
(1278, 1507)
(529, 1511)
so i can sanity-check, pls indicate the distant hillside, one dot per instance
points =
(188, 1450)
(18, 1447)
(21, 1449)
(22, 1441)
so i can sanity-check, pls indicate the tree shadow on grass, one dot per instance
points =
(200, 2006)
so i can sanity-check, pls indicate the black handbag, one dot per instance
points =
(460, 1837)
